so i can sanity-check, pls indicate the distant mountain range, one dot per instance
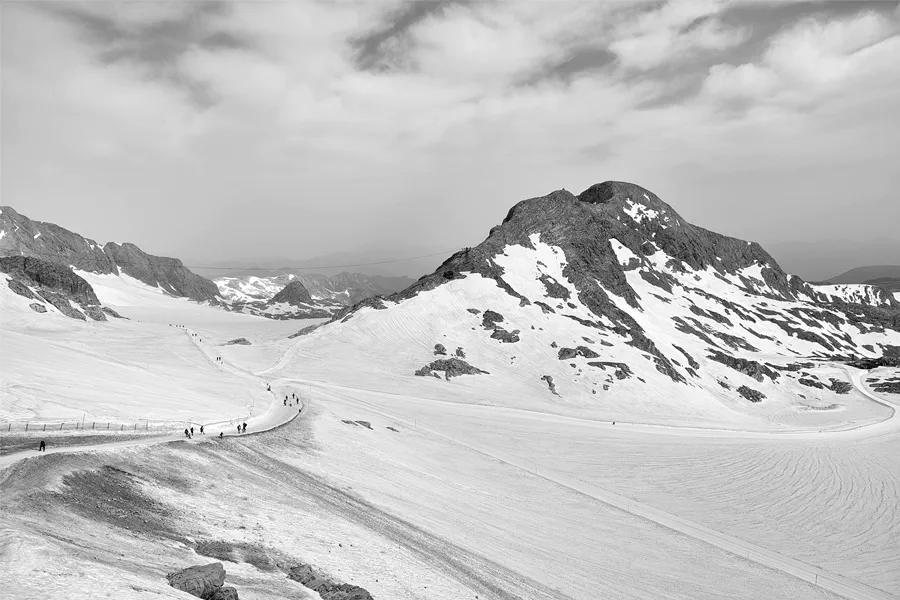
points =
(867, 274)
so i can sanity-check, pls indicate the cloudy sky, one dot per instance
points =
(229, 131)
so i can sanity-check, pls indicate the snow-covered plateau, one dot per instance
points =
(641, 410)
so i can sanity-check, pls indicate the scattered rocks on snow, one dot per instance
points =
(460, 353)
(810, 383)
(203, 581)
(474, 311)
(325, 587)
(554, 288)
(241, 341)
(507, 337)
(38, 307)
(622, 370)
(550, 384)
(723, 384)
(451, 367)
(567, 353)
(751, 394)
(439, 350)
(95, 312)
(545, 308)
(393, 429)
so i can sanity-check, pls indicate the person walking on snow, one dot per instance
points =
(221, 434)
(245, 428)
(239, 427)
(192, 431)
(42, 447)
(187, 434)
(201, 430)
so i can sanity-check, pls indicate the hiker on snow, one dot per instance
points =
(201, 430)
(187, 434)
(245, 428)
(42, 447)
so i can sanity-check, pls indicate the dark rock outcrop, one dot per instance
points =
(20, 288)
(507, 337)
(202, 581)
(325, 587)
(61, 303)
(439, 350)
(460, 352)
(751, 394)
(490, 319)
(622, 371)
(305, 330)
(451, 367)
(567, 353)
(241, 341)
(550, 384)
(840, 387)
(811, 383)
(750, 368)
(95, 312)
(38, 307)
(50, 276)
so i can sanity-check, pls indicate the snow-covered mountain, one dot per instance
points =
(344, 289)
(611, 300)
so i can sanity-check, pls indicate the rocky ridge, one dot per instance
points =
(21, 236)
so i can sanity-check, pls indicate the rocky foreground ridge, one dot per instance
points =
(619, 267)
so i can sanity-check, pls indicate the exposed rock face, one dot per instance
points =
(20, 288)
(51, 276)
(747, 367)
(51, 243)
(61, 303)
(304, 331)
(460, 353)
(451, 367)
(168, 273)
(507, 337)
(202, 581)
(95, 312)
(439, 350)
(325, 587)
(241, 341)
(751, 394)
(36, 307)
(293, 293)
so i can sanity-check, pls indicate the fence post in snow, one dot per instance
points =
(61, 425)
(45, 427)
(26, 426)
(93, 424)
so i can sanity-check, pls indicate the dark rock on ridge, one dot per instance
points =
(20, 288)
(241, 341)
(61, 303)
(37, 307)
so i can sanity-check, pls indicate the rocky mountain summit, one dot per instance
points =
(618, 266)
(20, 236)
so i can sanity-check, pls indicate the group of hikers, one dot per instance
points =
(241, 427)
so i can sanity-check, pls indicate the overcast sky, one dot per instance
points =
(298, 129)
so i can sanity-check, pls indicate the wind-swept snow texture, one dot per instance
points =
(694, 315)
